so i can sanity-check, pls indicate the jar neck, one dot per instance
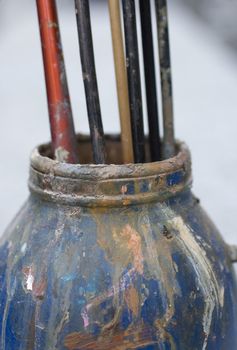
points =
(108, 185)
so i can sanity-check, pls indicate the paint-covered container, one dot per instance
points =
(105, 257)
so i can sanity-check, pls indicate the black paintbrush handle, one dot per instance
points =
(134, 80)
(90, 80)
(166, 79)
(150, 80)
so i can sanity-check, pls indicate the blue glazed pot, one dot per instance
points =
(115, 257)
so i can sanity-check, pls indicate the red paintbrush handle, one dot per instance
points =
(60, 113)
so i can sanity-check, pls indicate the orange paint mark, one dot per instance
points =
(127, 201)
(132, 300)
(134, 245)
(132, 338)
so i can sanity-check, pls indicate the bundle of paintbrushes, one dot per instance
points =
(125, 32)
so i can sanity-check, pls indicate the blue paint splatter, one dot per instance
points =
(175, 178)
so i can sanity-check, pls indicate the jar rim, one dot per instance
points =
(108, 184)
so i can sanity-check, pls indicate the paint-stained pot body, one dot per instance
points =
(115, 257)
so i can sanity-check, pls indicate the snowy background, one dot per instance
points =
(205, 96)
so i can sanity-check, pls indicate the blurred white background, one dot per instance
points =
(205, 86)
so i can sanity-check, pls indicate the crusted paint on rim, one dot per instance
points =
(109, 185)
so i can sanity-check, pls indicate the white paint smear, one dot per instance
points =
(213, 292)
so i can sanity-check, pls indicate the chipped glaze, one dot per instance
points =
(142, 267)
